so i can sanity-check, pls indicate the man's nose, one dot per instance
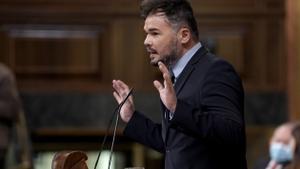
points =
(147, 41)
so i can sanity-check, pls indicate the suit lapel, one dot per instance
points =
(188, 69)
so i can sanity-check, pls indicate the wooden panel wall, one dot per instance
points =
(84, 44)
(63, 45)
(293, 53)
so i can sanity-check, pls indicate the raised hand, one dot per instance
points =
(166, 90)
(121, 91)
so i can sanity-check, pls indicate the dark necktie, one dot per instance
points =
(168, 114)
(172, 76)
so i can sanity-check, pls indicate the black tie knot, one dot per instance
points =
(172, 76)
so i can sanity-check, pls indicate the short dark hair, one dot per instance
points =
(176, 11)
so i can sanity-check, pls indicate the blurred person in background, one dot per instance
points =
(8, 110)
(12, 124)
(285, 147)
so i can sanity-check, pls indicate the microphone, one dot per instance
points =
(116, 111)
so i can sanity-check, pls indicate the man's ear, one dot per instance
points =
(184, 35)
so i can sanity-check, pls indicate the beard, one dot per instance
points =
(168, 59)
(171, 58)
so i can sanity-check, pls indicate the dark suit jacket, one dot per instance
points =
(207, 130)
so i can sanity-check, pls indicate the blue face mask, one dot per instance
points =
(281, 153)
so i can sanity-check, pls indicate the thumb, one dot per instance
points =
(158, 85)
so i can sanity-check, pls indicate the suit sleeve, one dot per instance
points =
(145, 131)
(216, 114)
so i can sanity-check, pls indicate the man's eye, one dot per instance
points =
(154, 33)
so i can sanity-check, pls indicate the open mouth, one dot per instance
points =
(151, 51)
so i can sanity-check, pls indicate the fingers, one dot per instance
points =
(163, 69)
(123, 85)
(158, 85)
(117, 97)
(166, 74)
(167, 81)
(119, 85)
(121, 90)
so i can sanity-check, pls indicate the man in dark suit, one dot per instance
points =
(202, 96)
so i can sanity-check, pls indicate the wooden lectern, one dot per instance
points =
(69, 160)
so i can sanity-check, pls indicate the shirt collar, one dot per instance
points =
(182, 62)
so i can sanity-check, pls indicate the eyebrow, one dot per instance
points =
(152, 29)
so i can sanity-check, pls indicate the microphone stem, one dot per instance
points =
(114, 138)
(105, 137)
(118, 109)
